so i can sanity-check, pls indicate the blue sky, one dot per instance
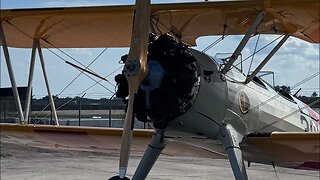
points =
(295, 61)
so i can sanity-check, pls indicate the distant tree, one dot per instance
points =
(314, 94)
(47, 97)
(67, 98)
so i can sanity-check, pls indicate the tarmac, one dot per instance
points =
(23, 162)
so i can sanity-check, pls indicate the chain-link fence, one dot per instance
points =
(8, 109)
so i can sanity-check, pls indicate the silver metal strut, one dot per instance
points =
(11, 75)
(29, 90)
(243, 42)
(230, 139)
(150, 156)
(53, 108)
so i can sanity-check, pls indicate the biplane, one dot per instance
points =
(181, 91)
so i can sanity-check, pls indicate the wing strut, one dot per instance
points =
(243, 42)
(264, 62)
(52, 105)
(36, 45)
(11, 75)
(30, 79)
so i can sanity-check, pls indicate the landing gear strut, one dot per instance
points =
(150, 156)
(154, 149)
(230, 139)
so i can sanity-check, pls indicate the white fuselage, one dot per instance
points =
(218, 102)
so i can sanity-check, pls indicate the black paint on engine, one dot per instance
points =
(171, 85)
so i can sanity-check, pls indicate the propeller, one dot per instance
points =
(135, 70)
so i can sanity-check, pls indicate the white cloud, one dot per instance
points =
(308, 50)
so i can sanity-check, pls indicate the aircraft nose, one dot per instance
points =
(171, 85)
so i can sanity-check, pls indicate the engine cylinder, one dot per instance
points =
(171, 85)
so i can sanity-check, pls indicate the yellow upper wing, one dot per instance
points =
(111, 26)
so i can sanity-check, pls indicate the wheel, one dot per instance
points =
(118, 178)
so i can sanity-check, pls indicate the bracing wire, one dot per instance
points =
(294, 86)
(259, 50)
(290, 114)
(83, 91)
(214, 43)
(81, 72)
(298, 84)
(254, 52)
(54, 47)
(277, 95)
(64, 60)
(224, 35)
(96, 82)
(72, 81)
(66, 55)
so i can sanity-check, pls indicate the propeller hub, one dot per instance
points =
(131, 68)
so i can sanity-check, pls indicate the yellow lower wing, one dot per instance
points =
(287, 146)
(92, 139)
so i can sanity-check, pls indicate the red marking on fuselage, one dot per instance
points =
(315, 117)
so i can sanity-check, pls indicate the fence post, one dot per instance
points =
(110, 109)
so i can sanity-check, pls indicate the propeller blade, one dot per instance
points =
(135, 71)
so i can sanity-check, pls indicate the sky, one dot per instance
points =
(296, 60)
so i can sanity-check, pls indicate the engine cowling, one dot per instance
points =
(171, 85)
